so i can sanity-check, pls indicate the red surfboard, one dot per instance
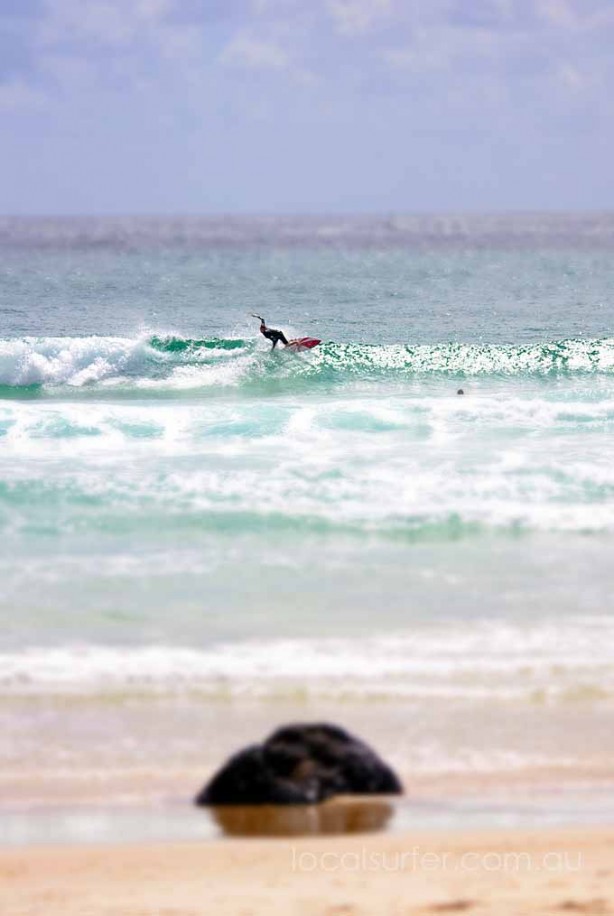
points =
(303, 343)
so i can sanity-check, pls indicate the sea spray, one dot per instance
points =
(176, 363)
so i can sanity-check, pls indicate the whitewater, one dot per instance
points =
(167, 362)
(191, 518)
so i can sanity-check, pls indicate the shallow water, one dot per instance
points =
(44, 827)
(182, 510)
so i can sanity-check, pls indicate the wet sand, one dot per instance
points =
(507, 873)
(67, 751)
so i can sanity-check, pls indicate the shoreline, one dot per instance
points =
(473, 805)
(92, 772)
(497, 872)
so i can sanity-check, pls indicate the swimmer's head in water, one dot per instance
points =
(460, 391)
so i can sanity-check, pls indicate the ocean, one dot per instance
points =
(195, 524)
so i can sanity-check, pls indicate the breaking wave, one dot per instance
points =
(177, 363)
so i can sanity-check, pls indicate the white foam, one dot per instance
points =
(79, 361)
(486, 462)
(73, 361)
(488, 660)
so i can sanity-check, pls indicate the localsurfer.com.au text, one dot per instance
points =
(417, 859)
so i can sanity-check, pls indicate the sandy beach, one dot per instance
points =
(306, 477)
(503, 872)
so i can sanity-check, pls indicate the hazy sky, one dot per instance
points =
(126, 106)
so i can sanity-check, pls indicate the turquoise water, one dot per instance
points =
(182, 509)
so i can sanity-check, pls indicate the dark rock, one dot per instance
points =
(300, 765)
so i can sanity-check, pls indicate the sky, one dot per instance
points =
(305, 106)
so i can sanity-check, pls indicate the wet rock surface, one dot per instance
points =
(298, 765)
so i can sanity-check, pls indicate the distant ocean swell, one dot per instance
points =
(176, 363)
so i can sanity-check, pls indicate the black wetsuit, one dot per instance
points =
(273, 335)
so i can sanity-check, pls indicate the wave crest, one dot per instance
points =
(175, 362)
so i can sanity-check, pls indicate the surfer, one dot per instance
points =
(271, 334)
